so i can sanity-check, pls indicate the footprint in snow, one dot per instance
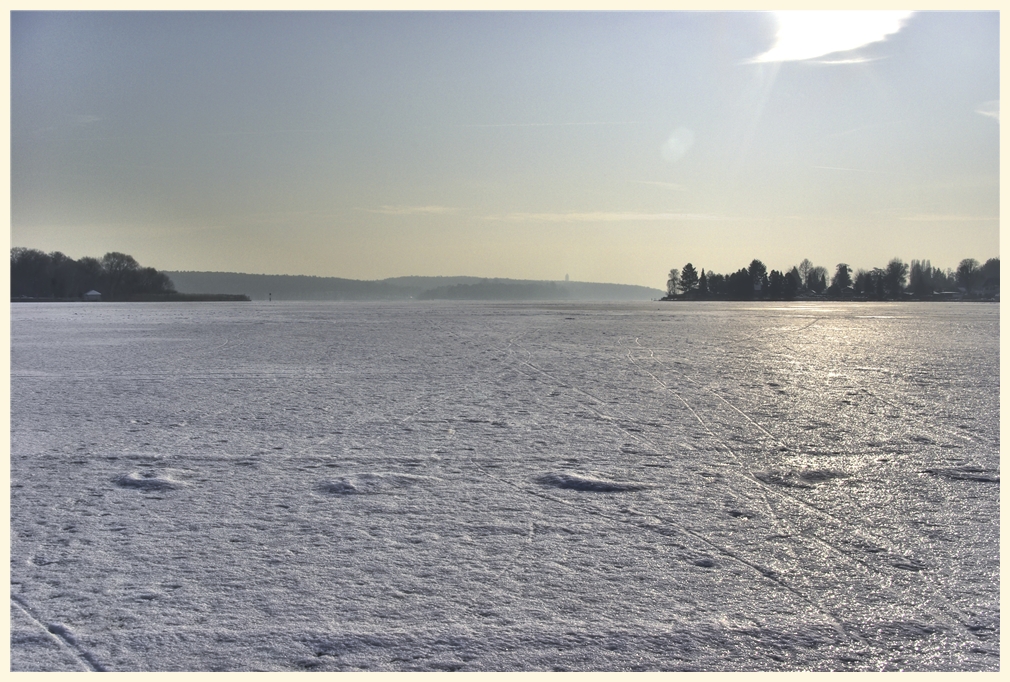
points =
(340, 487)
(909, 564)
(148, 480)
(373, 483)
(588, 483)
(801, 478)
(965, 473)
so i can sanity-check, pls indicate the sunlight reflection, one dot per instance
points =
(810, 34)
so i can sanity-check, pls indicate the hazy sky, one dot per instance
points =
(607, 146)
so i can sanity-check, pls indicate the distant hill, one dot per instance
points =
(288, 287)
(497, 290)
(309, 288)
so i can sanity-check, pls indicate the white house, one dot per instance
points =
(93, 296)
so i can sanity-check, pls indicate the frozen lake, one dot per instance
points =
(453, 486)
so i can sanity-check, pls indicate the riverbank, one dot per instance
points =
(143, 298)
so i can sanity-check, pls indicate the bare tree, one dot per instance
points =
(803, 269)
(968, 274)
(116, 266)
(673, 282)
(817, 279)
(894, 277)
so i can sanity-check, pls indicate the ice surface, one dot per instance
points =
(588, 483)
(451, 486)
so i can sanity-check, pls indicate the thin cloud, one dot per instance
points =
(602, 217)
(808, 34)
(943, 218)
(216, 133)
(853, 170)
(283, 131)
(667, 185)
(412, 210)
(990, 109)
(860, 129)
(548, 125)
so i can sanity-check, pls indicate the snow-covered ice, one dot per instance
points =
(453, 486)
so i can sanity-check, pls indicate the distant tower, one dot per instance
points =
(566, 276)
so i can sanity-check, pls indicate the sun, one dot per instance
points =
(809, 34)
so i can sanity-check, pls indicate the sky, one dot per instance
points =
(606, 146)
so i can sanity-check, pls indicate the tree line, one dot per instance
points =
(919, 280)
(117, 276)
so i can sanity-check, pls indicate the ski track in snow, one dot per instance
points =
(760, 570)
(503, 487)
(961, 619)
(62, 636)
(897, 562)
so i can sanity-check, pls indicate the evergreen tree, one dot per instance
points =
(717, 284)
(758, 275)
(817, 279)
(920, 281)
(688, 279)
(740, 285)
(795, 272)
(863, 283)
(791, 284)
(776, 285)
(755, 281)
(842, 277)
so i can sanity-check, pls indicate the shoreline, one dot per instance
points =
(144, 298)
